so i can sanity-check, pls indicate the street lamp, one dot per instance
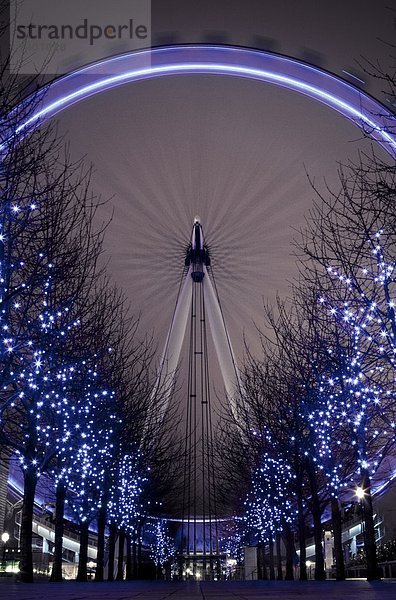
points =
(308, 564)
(4, 538)
(360, 493)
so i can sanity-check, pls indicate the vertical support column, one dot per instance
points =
(222, 343)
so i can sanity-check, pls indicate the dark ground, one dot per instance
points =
(239, 590)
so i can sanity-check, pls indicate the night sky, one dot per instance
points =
(235, 152)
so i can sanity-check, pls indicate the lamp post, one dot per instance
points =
(360, 494)
(4, 538)
(308, 564)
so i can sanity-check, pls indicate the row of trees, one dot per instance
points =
(317, 415)
(77, 404)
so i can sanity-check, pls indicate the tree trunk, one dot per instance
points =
(279, 575)
(369, 531)
(134, 559)
(320, 573)
(139, 557)
(29, 489)
(4, 473)
(101, 543)
(82, 573)
(301, 536)
(337, 530)
(271, 559)
(261, 567)
(56, 574)
(112, 542)
(120, 568)
(129, 568)
(289, 544)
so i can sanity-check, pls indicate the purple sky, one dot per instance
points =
(232, 151)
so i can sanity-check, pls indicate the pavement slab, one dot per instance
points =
(225, 590)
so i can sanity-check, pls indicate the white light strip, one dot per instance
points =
(202, 68)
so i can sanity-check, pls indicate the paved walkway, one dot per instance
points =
(239, 590)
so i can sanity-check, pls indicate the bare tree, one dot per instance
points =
(348, 254)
